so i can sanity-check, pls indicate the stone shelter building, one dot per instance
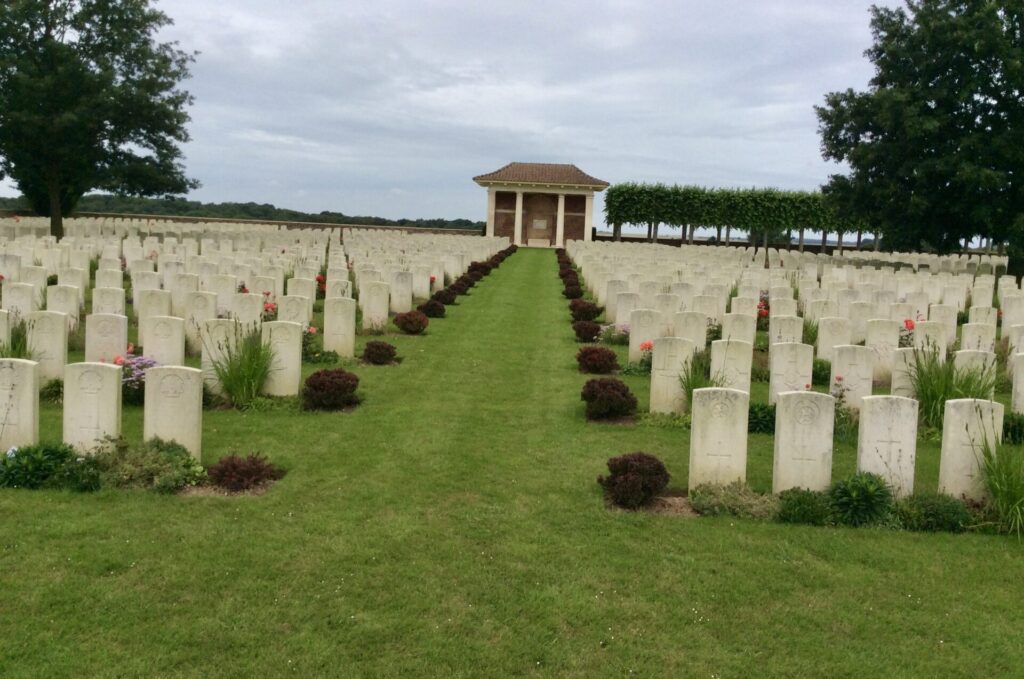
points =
(540, 204)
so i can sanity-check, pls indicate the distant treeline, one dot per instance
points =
(99, 202)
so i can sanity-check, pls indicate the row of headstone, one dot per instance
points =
(804, 422)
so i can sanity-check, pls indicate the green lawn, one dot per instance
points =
(451, 525)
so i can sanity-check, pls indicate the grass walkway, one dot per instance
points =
(451, 525)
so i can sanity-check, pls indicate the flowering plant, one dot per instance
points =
(907, 333)
(133, 376)
(269, 311)
(242, 288)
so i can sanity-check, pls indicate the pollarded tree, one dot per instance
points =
(935, 145)
(89, 99)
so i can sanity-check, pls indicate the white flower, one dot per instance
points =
(12, 451)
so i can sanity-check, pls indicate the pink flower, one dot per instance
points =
(839, 378)
(647, 345)
(433, 279)
(807, 386)
(131, 348)
(312, 330)
(119, 360)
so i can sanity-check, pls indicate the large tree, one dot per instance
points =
(935, 146)
(90, 99)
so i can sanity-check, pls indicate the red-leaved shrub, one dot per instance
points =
(586, 331)
(608, 398)
(432, 309)
(582, 310)
(237, 474)
(572, 292)
(459, 287)
(597, 360)
(412, 322)
(379, 353)
(331, 389)
(634, 479)
(446, 297)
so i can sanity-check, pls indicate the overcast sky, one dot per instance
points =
(390, 107)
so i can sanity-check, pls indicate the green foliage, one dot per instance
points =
(735, 499)
(799, 505)
(861, 499)
(1003, 476)
(933, 512)
(810, 334)
(52, 392)
(821, 371)
(313, 348)
(615, 335)
(243, 366)
(714, 332)
(761, 418)
(697, 375)
(89, 99)
(1013, 428)
(18, 346)
(47, 465)
(157, 465)
(933, 143)
(936, 381)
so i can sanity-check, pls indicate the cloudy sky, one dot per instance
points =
(390, 107)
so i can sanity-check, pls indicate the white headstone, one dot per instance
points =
(968, 425)
(718, 436)
(92, 404)
(174, 407)
(374, 297)
(669, 358)
(19, 403)
(832, 331)
(106, 337)
(340, 326)
(791, 368)
(165, 339)
(887, 440)
(48, 343)
(731, 360)
(804, 422)
(285, 340)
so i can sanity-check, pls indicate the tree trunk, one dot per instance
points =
(650, 230)
(728, 234)
(824, 240)
(801, 248)
(693, 227)
(878, 241)
(617, 231)
(718, 234)
(654, 236)
(839, 242)
(858, 238)
(56, 218)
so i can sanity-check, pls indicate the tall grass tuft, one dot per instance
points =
(243, 367)
(1003, 475)
(936, 381)
(697, 375)
(18, 346)
(810, 334)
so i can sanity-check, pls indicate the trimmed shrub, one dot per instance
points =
(572, 292)
(799, 505)
(474, 276)
(330, 390)
(37, 466)
(586, 331)
(597, 360)
(446, 297)
(933, 512)
(582, 310)
(761, 418)
(567, 272)
(466, 280)
(608, 398)
(495, 261)
(860, 500)
(634, 479)
(482, 268)
(431, 309)
(412, 322)
(379, 353)
(157, 465)
(459, 287)
(736, 499)
(236, 474)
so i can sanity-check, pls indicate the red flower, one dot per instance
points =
(270, 306)
(908, 324)
(433, 279)
(647, 345)
(119, 360)
(320, 278)
(312, 330)
(807, 386)
(762, 312)
(839, 378)
(1, 278)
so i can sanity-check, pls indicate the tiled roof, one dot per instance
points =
(541, 173)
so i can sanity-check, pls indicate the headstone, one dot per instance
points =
(64, 298)
(804, 422)
(852, 370)
(968, 426)
(931, 335)
(785, 329)
(106, 337)
(718, 436)
(692, 325)
(219, 336)
(374, 297)
(668, 361)
(887, 440)
(293, 309)
(48, 343)
(731, 361)
(285, 339)
(174, 407)
(902, 365)
(19, 299)
(340, 326)
(150, 303)
(978, 337)
(19, 403)
(248, 309)
(832, 332)
(92, 404)
(645, 325)
(626, 303)
(165, 339)
(883, 338)
(108, 301)
(740, 327)
(200, 307)
(791, 368)
(109, 278)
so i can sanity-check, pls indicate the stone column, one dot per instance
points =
(588, 218)
(491, 194)
(518, 236)
(560, 222)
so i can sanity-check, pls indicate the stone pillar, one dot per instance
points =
(491, 195)
(588, 218)
(560, 222)
(518, 234)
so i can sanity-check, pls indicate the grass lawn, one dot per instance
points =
(451, 526)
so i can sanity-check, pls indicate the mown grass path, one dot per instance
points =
(451, 526)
